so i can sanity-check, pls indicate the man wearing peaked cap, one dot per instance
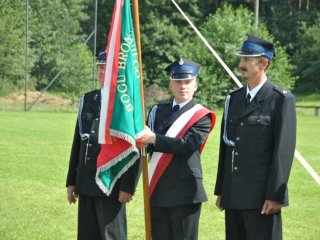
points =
(176, 133)
(256, 47)
(183, 69)
(257, 146)
(101, 58)
(100, 217)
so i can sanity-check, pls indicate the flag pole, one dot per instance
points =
(147, 218)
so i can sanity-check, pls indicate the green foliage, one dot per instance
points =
(164, 33)
(307, 58)
(166, 37)
(55, 27)
(225, 31)
(12, 46)
(157, 54)
(78, 77)
(283, 17)
(104, 17)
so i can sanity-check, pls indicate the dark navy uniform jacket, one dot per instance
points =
(264, 133)
(84, 153)
(182, 181)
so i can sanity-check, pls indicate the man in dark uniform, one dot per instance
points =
(99, 216)
(178, 133)
(258, 137)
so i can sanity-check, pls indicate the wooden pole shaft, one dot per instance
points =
(135, 7)
(147, 217)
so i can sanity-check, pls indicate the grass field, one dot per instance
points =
(34, 153)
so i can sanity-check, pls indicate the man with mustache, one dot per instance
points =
(258, 137)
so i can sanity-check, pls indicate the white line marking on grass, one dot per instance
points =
(307, 166)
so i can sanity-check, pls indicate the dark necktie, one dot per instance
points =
(175, 108)
(248, 99)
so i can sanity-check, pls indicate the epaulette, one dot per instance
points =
(92, 94)
(163, 103)
(236, 90)
(282, 91)
(153, 106)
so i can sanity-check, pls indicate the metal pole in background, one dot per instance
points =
(95, 46)
(60, 72)
(215, 54)
(26, 57)
(256, 17)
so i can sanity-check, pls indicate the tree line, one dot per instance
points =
(57, 31)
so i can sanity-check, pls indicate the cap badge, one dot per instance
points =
(181, 62)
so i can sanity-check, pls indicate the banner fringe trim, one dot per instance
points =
(116, 178)
(124, 136)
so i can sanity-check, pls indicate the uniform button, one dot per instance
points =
(92, 131)
(258, 120)
(230, 120)
(235, 168)
(97, 119)
(87, 158)
(237, 138)
(241, 124)
(90, 145)
(236, 153)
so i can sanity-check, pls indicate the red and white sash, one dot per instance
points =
(160, 161)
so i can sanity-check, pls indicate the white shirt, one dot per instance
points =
(181, 104)
(255, 90)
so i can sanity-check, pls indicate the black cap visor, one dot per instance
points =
(182, 76)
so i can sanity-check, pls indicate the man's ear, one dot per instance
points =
(264, 64)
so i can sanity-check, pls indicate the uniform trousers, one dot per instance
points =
(251, 225)
(175, 223)
(101, 218)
